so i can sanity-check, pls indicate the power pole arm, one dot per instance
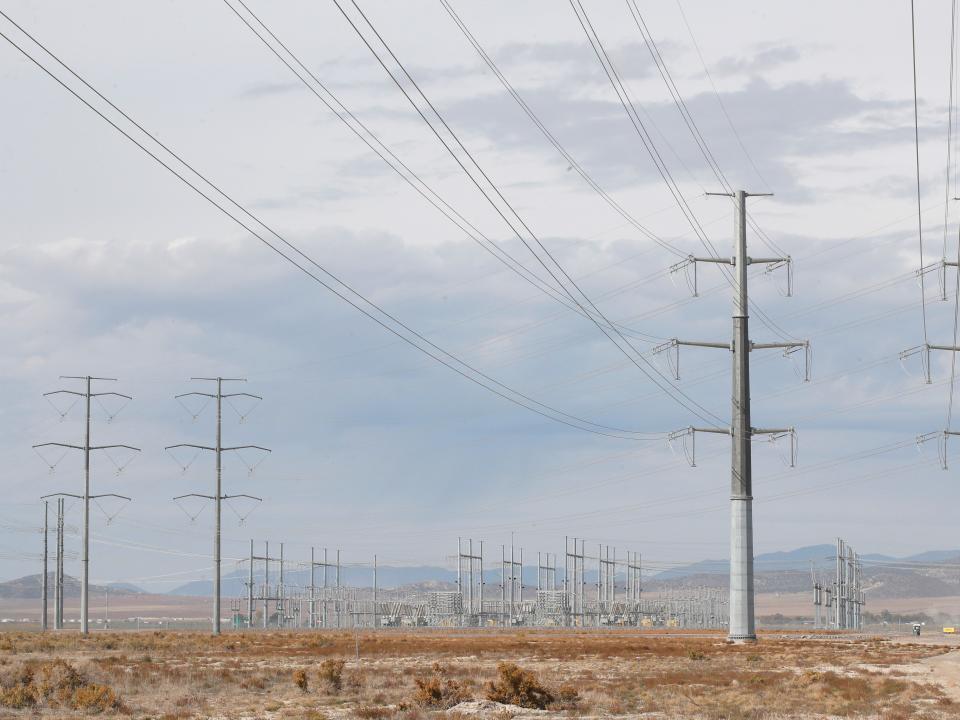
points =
(673, 346)
(690, 450)
(924, 352)
(941, 436)
(689, 267)
(705, 344)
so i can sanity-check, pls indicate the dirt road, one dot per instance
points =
(944, 670)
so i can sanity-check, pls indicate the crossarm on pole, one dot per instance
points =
(777, 433)
(65, 445)
(788, 349)
(115, 394)
(690, 452)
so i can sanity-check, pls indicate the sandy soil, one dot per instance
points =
(942, 669)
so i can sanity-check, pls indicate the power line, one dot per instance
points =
(506, 211)
(665, 308)
(916, 139)
(373, 142)
(347, 293)
(688, 118)
(635, 120)
(551, 138)
(946, 214)
(663, 170)
(946, 189)
(723, 106)
(814, 468)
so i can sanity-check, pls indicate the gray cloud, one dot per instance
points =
(762, 59)
(779, 123)
(270, 89)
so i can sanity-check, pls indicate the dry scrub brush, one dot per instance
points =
(516, 686)
(54, 684)
(300, 679)
(437, 693)
(331, 675)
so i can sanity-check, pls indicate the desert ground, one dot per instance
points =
(459, 674)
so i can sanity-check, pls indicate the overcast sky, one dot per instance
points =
(111, 267)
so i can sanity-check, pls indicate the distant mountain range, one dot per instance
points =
(387, 577)
(822, 557)
(927, 574)
(31, 586)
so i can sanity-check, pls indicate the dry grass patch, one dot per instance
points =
(413, 675)
(372, 712)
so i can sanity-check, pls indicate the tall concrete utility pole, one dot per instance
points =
(43, 603)
(58, 571)
(742, 621)
(218, 497)
(87, 448)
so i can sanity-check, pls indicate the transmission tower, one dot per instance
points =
(742, 621)
(87, 395)
(218, 495)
